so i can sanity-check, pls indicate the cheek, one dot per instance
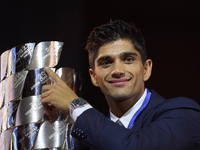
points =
(101, 74)
(101, 80)
(135, 71)
(138, 74)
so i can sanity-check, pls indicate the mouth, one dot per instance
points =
(119, 82)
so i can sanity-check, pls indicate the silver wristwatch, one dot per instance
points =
(76, 103)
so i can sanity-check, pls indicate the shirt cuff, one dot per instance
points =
(78, 111)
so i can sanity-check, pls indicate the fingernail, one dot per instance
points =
(46, 68)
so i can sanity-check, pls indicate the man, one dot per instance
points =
(119, 66)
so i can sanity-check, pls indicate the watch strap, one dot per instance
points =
(76, 103)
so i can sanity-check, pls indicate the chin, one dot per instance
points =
(120, 97)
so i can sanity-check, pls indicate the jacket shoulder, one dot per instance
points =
(177, 102)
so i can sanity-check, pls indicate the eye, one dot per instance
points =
(128, 59)
(105, 63)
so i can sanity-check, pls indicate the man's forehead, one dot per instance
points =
(116, 48)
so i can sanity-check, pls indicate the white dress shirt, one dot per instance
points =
(125, 119)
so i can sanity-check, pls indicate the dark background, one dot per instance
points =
(171, 30)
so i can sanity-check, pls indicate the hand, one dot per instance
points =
(57, 96)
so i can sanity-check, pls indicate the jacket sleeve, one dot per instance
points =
(167, 127)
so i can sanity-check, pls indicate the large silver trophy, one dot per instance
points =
(23, 124)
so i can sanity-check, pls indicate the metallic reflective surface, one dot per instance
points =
(78, 84)
(46, 54)
(3, 118)
(68, 75)
(70, 142)
(71, 78)
(8, 113)
(6, 139)
(24, 136)
(19, 58)
(2, 93)
(30, 110)
(14, 85)
(23, 125)
(11, 113)
(34, 81)
(51, 149)
(4, 63)
(51, 134)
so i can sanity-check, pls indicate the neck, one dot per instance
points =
(120, 107)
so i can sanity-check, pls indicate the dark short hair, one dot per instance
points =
(112, 31)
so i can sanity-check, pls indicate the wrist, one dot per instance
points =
(76, 103)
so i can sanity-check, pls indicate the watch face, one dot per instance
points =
(75, 104)
(80, 101)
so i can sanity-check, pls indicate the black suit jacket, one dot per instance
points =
(171, 124)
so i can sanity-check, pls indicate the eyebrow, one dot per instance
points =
(103, 58)
(121, 55)
(128, 54)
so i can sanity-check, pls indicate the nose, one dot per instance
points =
(118, 70)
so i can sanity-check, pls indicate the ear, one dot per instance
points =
(93, 77)
(147, 69)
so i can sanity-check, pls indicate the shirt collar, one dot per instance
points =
(126, 118)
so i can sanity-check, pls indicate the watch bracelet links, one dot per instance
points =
(76, 103)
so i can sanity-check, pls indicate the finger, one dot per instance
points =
(52, 115)
(46, 88)
(52, 74)
(50, 112)
(49, 80)
(48, 107)
(46, 94)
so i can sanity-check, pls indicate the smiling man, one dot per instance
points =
(139, 119)
(120, 74)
